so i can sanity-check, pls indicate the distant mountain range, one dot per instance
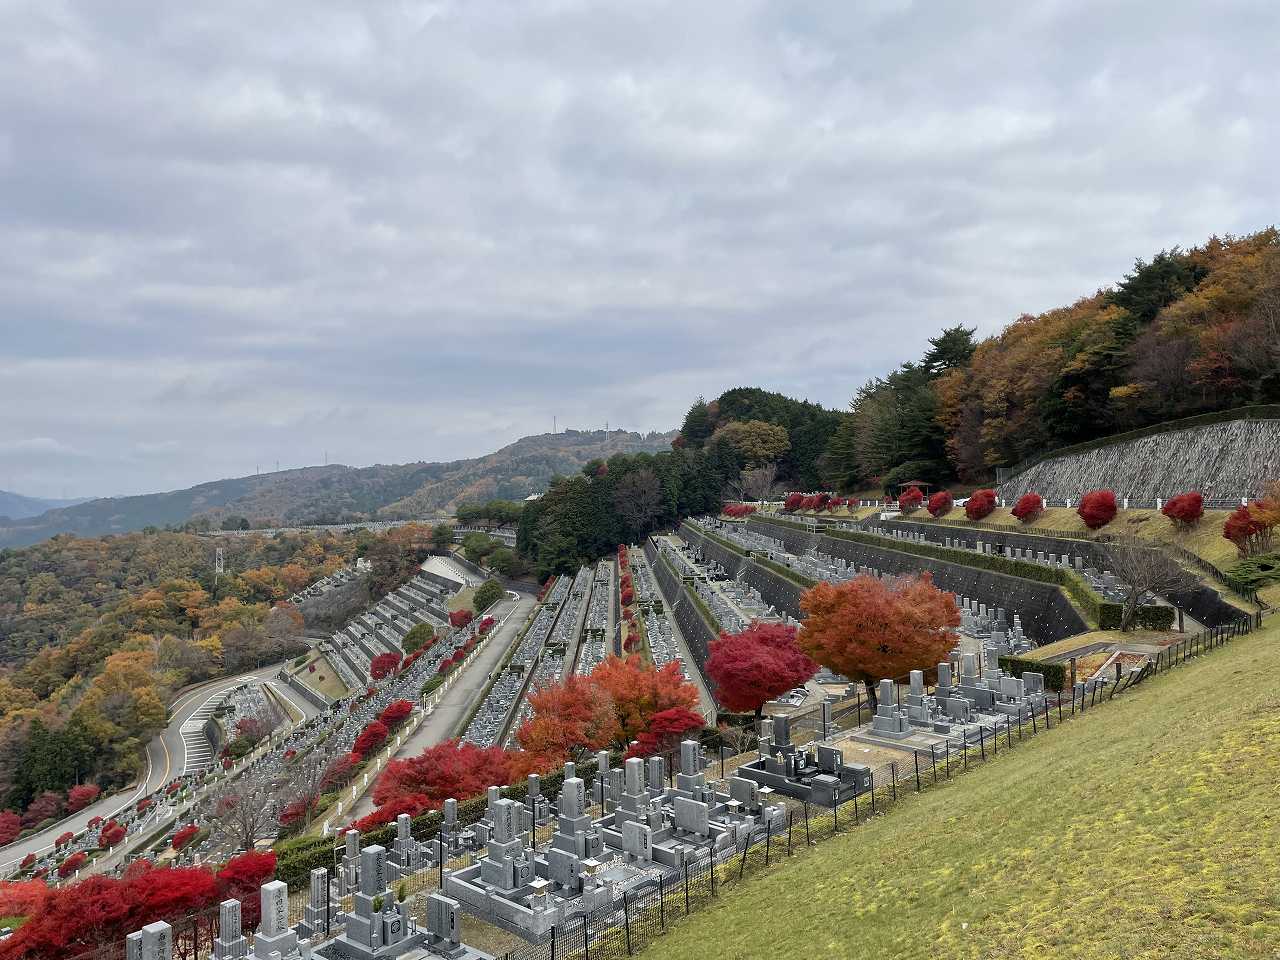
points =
(336, 493)
(14, 506)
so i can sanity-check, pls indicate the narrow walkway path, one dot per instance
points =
(464, 693)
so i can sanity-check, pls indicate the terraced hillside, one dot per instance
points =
(1145, 829)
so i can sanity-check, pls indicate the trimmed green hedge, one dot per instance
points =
(1055, 674)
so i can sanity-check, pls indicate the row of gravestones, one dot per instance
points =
(378, 925)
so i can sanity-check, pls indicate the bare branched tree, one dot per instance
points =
(758, 483)
(1143, 570)
(243, 812)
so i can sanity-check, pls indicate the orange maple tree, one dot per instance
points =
(569, 719)
(869, 629)
(639, 691)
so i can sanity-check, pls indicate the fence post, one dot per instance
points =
(790, 816)
(686, 887)
(662, 904)
(893, 781)
(982, 746)
(872, 777)
(1034, 726)
(768, 840)
(916, 757)
(808, 840)
(626, 919)
(553, 942)
(586, 939)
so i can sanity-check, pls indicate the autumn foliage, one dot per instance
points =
(757, 665)
(1028, 508)
(665, 731)
(793, 502)
(940, 503)
(1097, 508)
(1251, 527)
(639, 691)
(383, 665)
(869, 629)
(395, 713)
(184, 836)
(81, 795)
(451, 769)
(910, 499)
(568, 718)
(1185, 509)
(460, 618)
(10, 827)
(980, 504)
(370, 738)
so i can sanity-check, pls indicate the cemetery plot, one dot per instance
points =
(492, 716)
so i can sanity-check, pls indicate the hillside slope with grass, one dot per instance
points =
(1148, 828)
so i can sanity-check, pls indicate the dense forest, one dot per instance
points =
(1189, 332)
(99, 633)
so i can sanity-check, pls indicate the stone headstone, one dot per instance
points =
(373, 871)
(157, 941)
(275, 908)
(692, 816)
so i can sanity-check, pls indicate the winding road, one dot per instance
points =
(168, 756)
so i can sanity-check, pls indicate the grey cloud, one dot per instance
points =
(238, 233)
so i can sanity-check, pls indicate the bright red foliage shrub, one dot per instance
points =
(980, 504)
(910, 499)
(395, 713)
(44, 807)
(242, 877)
(793, 502)
(10, 827)
(940, 503)
(666, 729)
(383, 665)
(1185, 508)
(339, 771)
(1028, 507)
(371, 738)
(460, 618)
(755, 666)
(64, 838)
(73, 863)
(112, 834)
(184, 836)
(81, 795)
(1097, 508)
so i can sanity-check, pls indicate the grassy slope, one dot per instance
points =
(1147, 829)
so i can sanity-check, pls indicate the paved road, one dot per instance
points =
(466, 690)
(166, 759)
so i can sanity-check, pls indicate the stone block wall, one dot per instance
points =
(1224, 461)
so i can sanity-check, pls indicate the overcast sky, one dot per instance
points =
(239, 233)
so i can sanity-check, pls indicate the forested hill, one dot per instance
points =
(1189, 332)
(15, 506)
(335, 493)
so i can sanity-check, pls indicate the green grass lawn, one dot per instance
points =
(1149, 828)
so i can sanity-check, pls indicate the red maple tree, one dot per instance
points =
(940, 503)
(81, 795)
(383, 665)
(757, 665)
(665, 731)
(1185, 509)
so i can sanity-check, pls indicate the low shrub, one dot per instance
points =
(980, 504)
(940, 503)
(1185, 509)
(1028, 508)
(1097, 508)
